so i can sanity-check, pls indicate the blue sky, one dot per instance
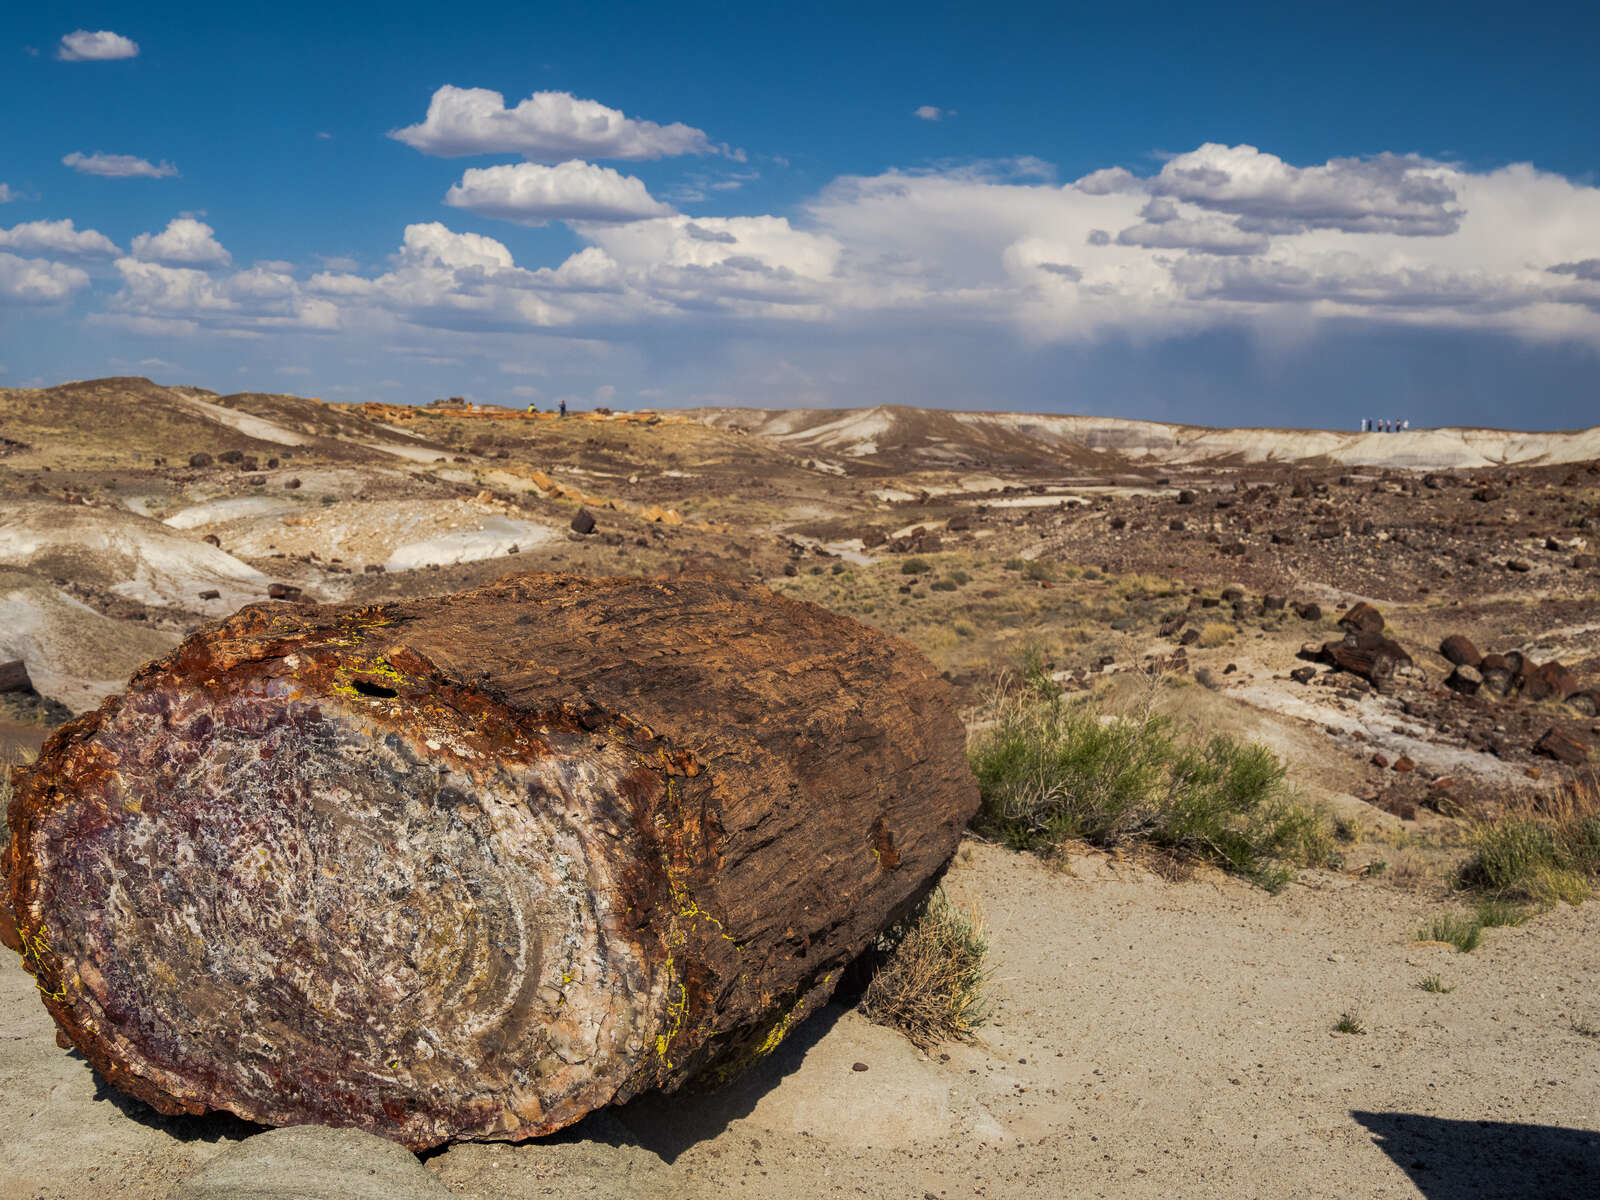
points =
(1243, 214)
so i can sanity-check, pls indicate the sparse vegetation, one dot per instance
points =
(1463, 932)
(1214, 634)
(1349, 1022)
(1540, 851)
(1051, 770)
(929, 983)
(1584, 1028)
(915, 566)
(1432, 983)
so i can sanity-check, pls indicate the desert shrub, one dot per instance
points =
(1456, 929)
(943, 585)
(1037, 569)
(930, 976)
(1050, 771)
(915, 566)
(1214, 634)
(960, 578)
(1350, 1022)
(1539, 851)
(964, 629)
(1432, 983)
(1015, 564)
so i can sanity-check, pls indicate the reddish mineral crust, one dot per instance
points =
(471, 867)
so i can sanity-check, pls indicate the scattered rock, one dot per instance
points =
(1404, 765)
(200, 460)
(1307, 612)
(1547, 680)
(1562, 747)
(1520, 565)
(282, 591)
(1303, 674)
(291, 484)
(231, 456)
(14, 676)
(1460, 651)
(211, 594)
(583, 522)
(1363, 618)
(1465, 680)
(212, 539)
(1185, 497)
(373, 569)
(1272, 603)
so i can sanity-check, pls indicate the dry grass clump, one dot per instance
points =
(1540, 850)
(1214, 634)
(1052, 770)
(930, 981)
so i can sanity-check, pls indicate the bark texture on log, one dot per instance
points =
(474, 866)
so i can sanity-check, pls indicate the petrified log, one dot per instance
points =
(473, 866)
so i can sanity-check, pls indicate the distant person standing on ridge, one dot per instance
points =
(1364, 424)
(563, 408)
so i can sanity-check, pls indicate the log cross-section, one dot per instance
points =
(473, 866)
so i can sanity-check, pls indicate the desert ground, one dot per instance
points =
(1153, 1032)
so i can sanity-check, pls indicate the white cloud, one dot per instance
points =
(185, 242)
(8, 194)
(1388, 193)
(36, 281)
(530, 194)
(928, 112)
(434, 245)
(83, 46)
(547, 127)
(119, 166)
(58, 238)
(1209, 235)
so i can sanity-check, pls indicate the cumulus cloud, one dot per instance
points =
(928, 112)
(546, 127)
(100, 46)
(531, 194)
(185, 242)
(1208, 235)
(119, 166)
(964, 249)
(1388, 193)
(37, 281)
(57, 238)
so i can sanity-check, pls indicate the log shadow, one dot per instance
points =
(215, 1126)
(668, 1125)
(1488, 1160)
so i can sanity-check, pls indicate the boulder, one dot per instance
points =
(1464, 679)
(1496, 672)
(583, 522)
(200, 460)
(1307, 611)
(282, 591)
(1548, 680)
(1585, 703)
(1460, 651)
(1303, 674)
(311, 1162)
(1362, 618)
(14, 676)
(1562, 747)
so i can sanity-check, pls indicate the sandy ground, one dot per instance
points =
(1148, 1039)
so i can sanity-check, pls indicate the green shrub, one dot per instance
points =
(1049, 771)
(960, 578)
(930, 978)
(1349, 1022)
(1432, 983)
(943, 585)
(1456, 929)
(1539, 852)
(915, 566)
(1037, 569)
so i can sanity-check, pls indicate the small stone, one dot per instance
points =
(583, 522)
(860, 1066)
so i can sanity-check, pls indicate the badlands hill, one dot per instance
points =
(978, 439)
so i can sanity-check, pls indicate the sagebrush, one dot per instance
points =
(930, 977)
(1051, 770)
(1540, 850)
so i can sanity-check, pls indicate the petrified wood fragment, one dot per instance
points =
(471, 867)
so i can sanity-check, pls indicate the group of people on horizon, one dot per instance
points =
(1383, 425)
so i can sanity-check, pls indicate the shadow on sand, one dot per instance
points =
(1489, 1160)
(662, 1125)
